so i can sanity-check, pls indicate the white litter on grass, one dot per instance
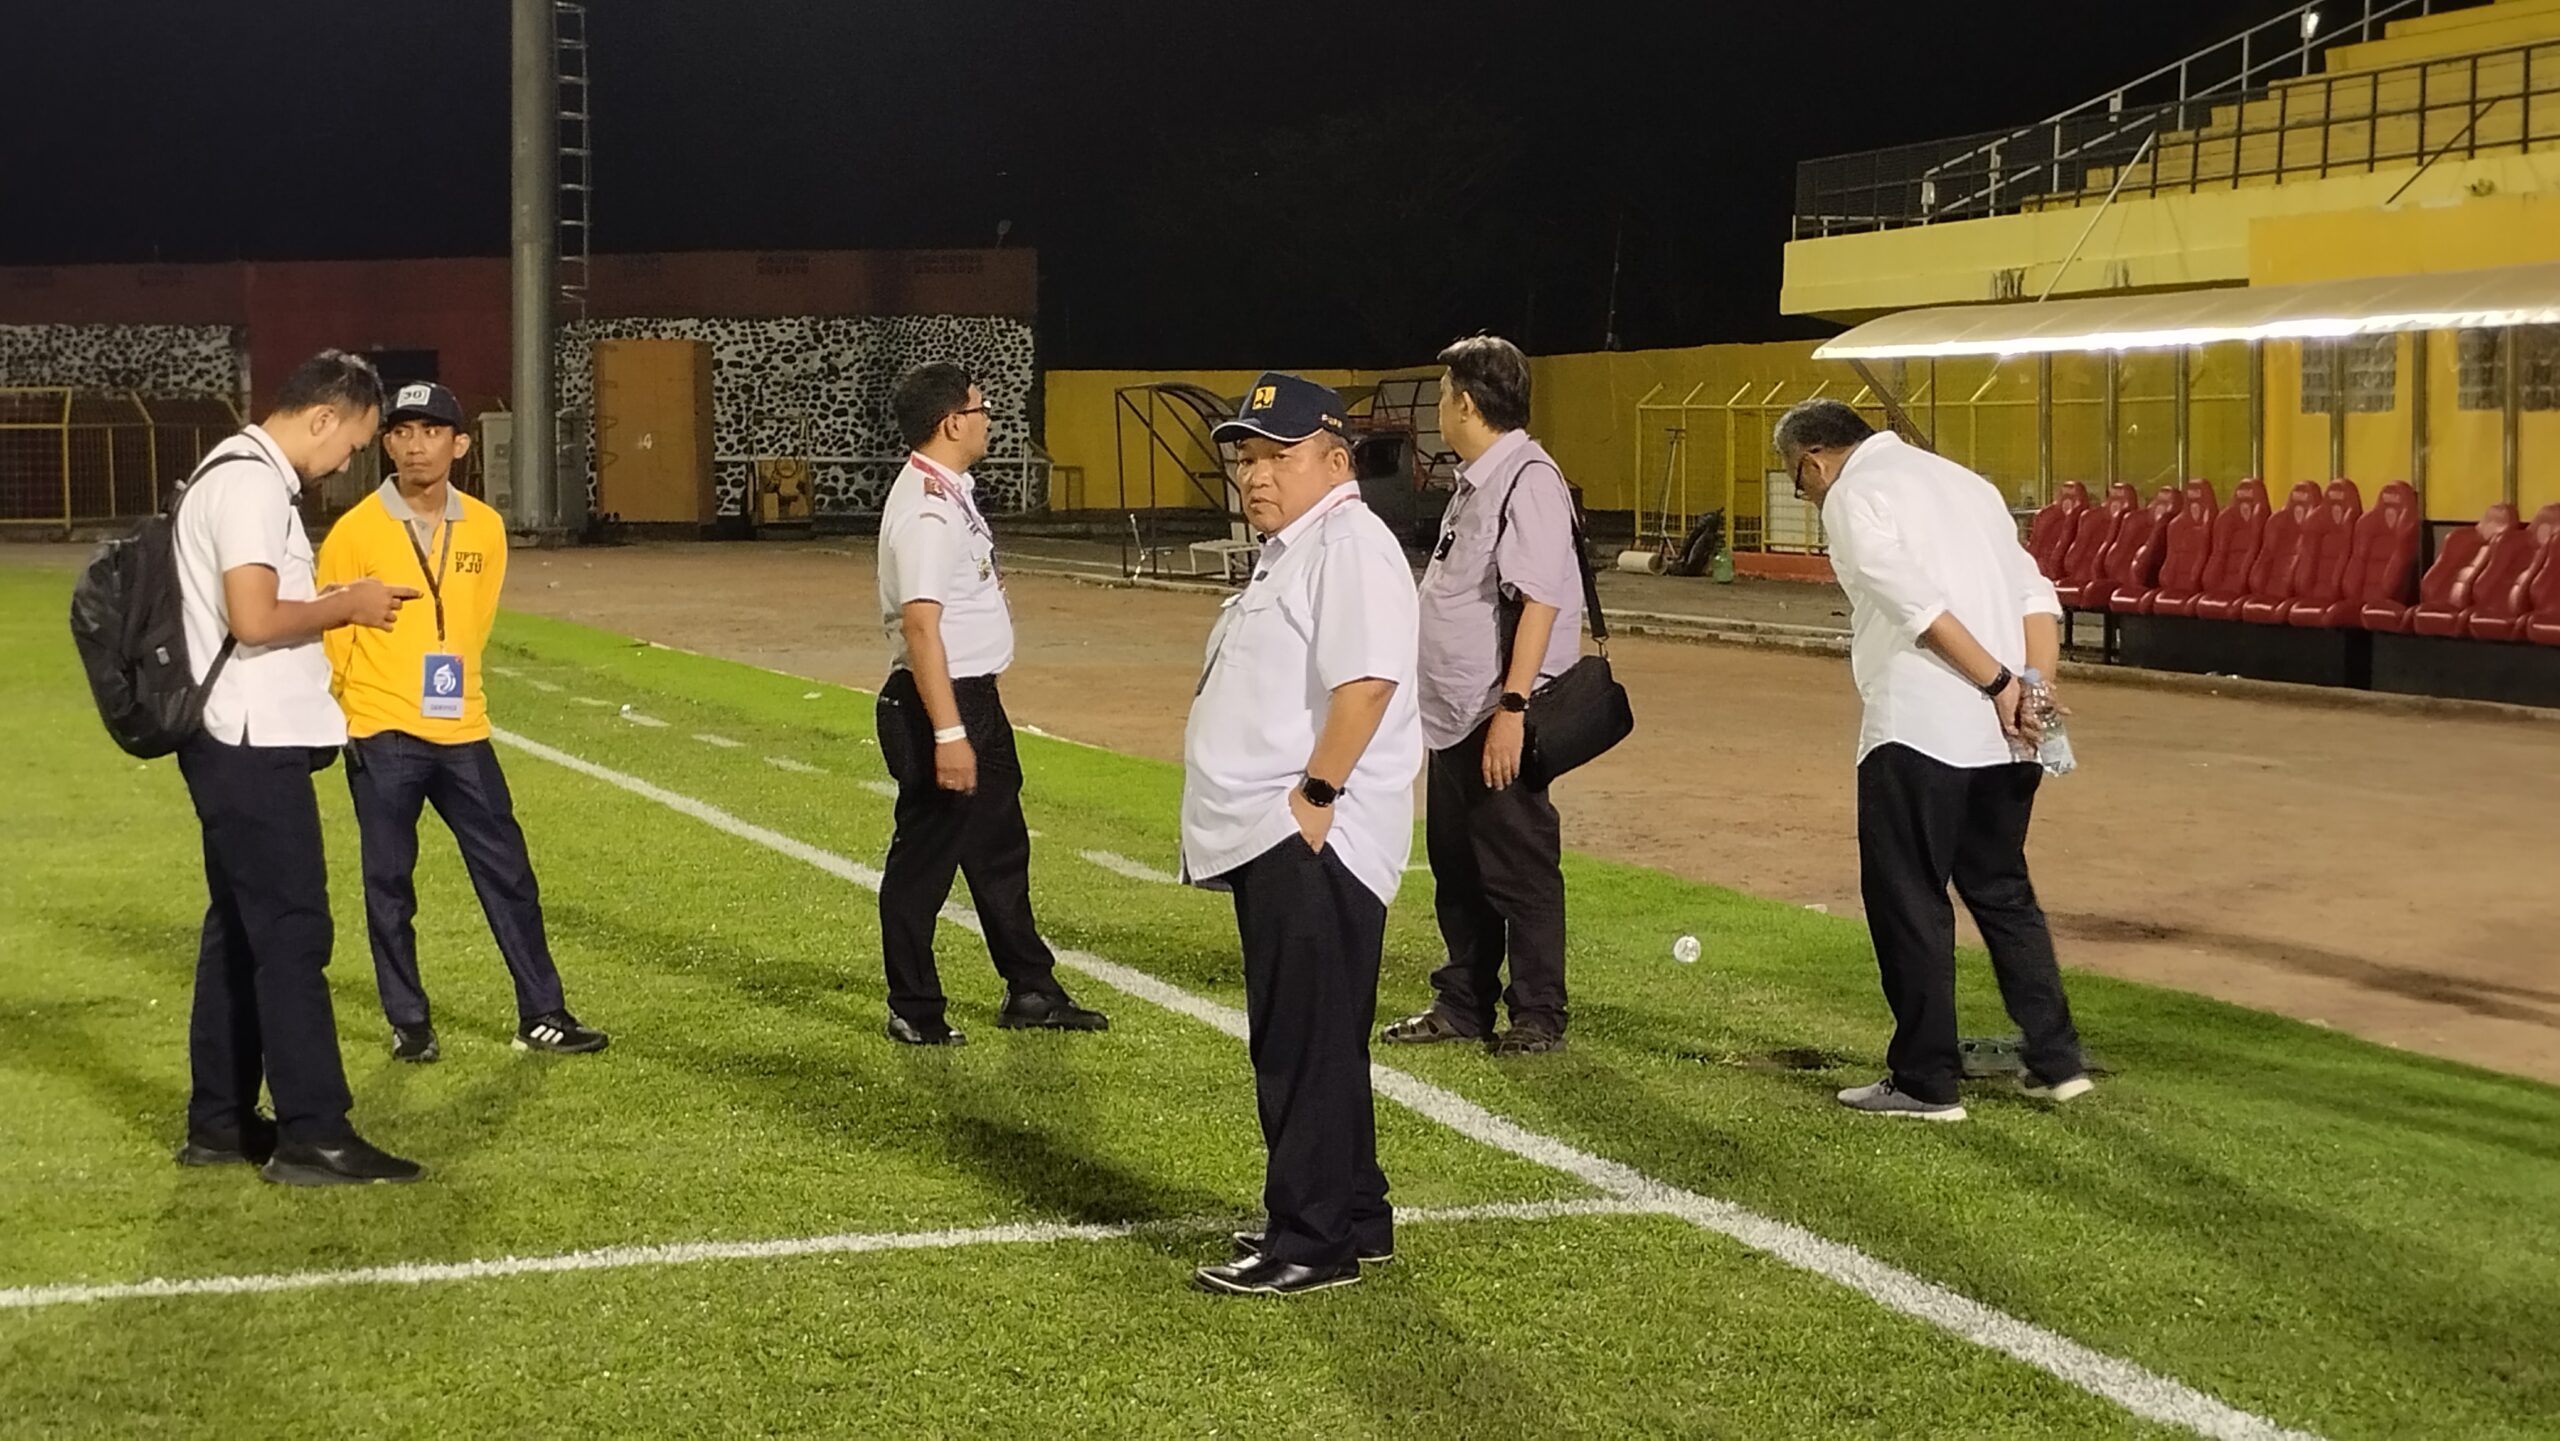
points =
(814, 695)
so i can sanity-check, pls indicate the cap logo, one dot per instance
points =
(1264, 397)
(413, 395)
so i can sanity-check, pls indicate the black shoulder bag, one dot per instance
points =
(1582, 713)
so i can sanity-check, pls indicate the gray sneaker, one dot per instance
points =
(1881, 1099)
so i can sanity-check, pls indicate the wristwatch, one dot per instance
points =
(1998, 684)
(1514, 702)
(1319, 794)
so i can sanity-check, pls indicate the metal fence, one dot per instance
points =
(71, 457)
(2250, 108)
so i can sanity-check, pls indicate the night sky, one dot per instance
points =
(1211, 184)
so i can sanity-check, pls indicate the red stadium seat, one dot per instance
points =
(2134, 559)
(2507, 563)
(2049, 534)
(2089, 543)
(2501, 603)
(2379, 563)
(2186, 542)
(2237, 532)
(2279, 551)
(2543, 627)
(2328, 534)
(2446, 587)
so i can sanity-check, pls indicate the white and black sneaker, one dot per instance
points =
(559, 1033)
(415, 1044)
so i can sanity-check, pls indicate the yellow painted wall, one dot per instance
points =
(2139, 243)
(2464, 447)
(1087, 441)
(1590, 411)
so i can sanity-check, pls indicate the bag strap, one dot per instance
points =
(230, 642)
(1592, 615)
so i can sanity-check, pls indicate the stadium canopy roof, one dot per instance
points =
(2324, 309)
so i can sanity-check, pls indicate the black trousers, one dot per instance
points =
(1312, 934)
(262, 1009)
(1921, 824)
(1497, 880)
(981, 836)
(392, 777)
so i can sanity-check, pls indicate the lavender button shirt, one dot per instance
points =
(1461, 665)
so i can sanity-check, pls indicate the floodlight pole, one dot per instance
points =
(535, 264)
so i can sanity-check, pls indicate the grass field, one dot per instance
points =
(2330, 1236)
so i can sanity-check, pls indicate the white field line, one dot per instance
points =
(797, 768)
(591, 700)
(886, 790)
(1121, 865)
(2137, 1389)
(648, 721)
(689, 1253)
(551, 686)
(723, 742)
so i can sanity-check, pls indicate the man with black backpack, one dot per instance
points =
(253, 621)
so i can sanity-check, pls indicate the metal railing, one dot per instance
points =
(2003, 171)
(70, 457)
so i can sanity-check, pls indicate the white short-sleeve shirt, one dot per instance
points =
(1332, 601)
(1915, 536)
(240, 511)
(935, 545)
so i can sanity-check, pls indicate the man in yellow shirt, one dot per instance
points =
(418, 724)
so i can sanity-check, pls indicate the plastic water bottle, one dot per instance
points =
(2053, 752)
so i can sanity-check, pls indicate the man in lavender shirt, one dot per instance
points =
(1506, 549)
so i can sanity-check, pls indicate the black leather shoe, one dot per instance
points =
(1263, 1276)
(935, 1033)
(1033, 1010)
(1525, 1041)
(251, 1145)
(1249, 1245)
(351, 1162)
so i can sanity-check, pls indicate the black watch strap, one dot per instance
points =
(1514, 702)
(1998, 684)
(1319, 794)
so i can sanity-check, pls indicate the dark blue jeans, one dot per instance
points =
(392, 776)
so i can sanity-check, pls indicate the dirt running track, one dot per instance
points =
(2392, 875)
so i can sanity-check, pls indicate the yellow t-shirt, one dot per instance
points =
(379, 676)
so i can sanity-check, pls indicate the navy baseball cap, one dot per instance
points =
(1286, 408)
(423, 400)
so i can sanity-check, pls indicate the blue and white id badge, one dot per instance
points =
(440, 689)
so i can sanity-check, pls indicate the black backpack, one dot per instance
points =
(128, 618)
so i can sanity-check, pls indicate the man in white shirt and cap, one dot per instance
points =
(943, 730)
(1946, 607)
(1298, 767)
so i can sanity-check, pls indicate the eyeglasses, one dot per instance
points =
(975, 410)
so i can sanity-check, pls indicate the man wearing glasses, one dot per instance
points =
(1945, 607)
(942, 728)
